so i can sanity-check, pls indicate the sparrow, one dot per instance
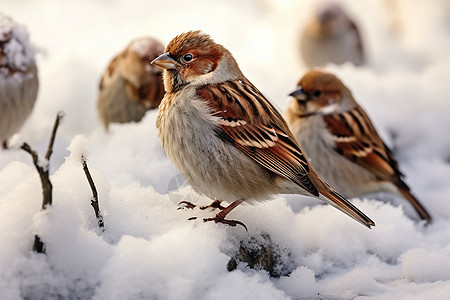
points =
(341, 141)
(225, 137)
(19, 81)
(331, 37)
(130, 86)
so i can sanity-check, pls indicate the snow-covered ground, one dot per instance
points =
(149, 250)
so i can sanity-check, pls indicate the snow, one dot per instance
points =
(149, 250)
(18, 52)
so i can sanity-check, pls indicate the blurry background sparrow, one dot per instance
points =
(341, 142)
(331, 37)
(224, 135)
(18, 78)
(130, 85)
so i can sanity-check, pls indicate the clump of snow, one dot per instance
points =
(79, 148)
(149, 248)
(16, 141)
(300, 283)
(18, 52)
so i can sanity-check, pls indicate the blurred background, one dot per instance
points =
(406, 45)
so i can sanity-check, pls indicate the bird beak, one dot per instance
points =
(165, 61)
(300, 95)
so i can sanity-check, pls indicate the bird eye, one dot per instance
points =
(188, 57)
(317, 93)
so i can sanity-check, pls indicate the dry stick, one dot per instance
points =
(94, 200)
(43, 171)
(59, 116)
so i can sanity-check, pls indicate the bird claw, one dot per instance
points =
(232, 223)
(187, 204)
(217, 220)
(215, 204)
(220, 217)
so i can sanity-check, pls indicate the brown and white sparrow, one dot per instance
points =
(331, 37)
(130, 86)
(341, 141)
(223, 134)
(18, 78)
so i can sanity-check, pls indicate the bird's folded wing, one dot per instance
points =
(356, 139)
(253, 125)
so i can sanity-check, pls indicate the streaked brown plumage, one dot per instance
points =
(331, 37)
(341, 141)
(18, 78)
(227, 139)
(130, 85)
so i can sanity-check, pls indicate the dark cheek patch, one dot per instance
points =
(202, 66)
(207, 60)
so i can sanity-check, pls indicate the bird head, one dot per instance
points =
(139, 53)
(193, 58)
(331, 19)
(320, 92)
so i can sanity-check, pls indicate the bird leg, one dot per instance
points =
(220, 217)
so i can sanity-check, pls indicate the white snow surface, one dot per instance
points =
(149, 250)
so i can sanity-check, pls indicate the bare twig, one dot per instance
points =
(59, 116)
(43, 174)
(94, 200)
(43, 170)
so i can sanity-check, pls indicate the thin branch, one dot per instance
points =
(43, 170)
(43, 174)
(94, 201)
(33, 154)
(59, 116)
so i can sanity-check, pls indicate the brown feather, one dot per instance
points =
(340, 202)
(423, 213)
(266, 141)
(356, 139)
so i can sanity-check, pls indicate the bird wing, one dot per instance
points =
(357, 139)
(253, 125)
